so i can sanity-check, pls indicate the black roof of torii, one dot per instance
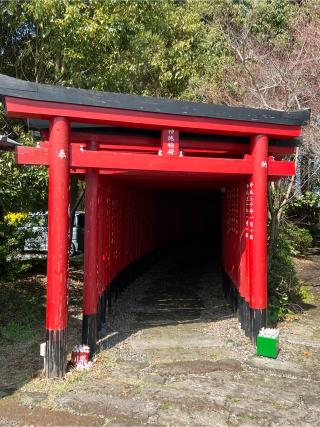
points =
(10, 86)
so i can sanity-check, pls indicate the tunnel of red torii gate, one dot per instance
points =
(149, 165)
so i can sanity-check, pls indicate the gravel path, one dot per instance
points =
(173, 355)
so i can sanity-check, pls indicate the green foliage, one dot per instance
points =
(140, 46)
(234, 29)
(271, 20)
(12, 238)
(164, 406)
(133, 46)
(23, 306)
(297, 239)
(305, 208)
(284, 287)
(22, 188)
(268, 20)
(306, 200)
(17, 332)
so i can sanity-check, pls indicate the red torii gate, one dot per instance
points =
(150, 141)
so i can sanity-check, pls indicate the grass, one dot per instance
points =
(22, 330)
(22, 318)
(22, 311)
(164, 406)
(305, 294)
(215, 356)
(22, 301)
(16, 332)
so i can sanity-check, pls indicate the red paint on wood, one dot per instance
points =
(170, 142)
(231, 232)
(25, 108)
(279, 168)
(244, 279)
(32, 155)
(90, 297)
(124, 162)
(148, 162)
(104, 232)
(258, 217)
(58, 225)
(100, 242)
(152, 144)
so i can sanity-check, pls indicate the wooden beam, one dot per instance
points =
(281, 168)
(117, 162)
(26, 108)
(32, 155)
(218, 148)
(116, 141)
(150, 162)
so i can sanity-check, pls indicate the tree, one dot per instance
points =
(22, 188)
(275, 51)
(133, 46)
(272, 61)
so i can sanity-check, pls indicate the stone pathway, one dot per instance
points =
(174, 355)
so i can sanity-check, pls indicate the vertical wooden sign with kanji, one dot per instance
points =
(170, 142)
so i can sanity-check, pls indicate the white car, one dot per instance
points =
(38, 225)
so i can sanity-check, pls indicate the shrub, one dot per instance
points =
(12, 238)
(284, 288)
(298, 239)
(305, 206)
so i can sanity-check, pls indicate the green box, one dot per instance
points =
(267, 347)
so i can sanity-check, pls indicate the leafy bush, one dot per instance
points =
(15, 218)
(298, 239)
(12, 238)
(284, 288)
(305, 206)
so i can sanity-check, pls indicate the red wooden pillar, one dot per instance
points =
(90, 290)
(102, 252)
(244, 279)
(257, 233)
(99, 214)
(58, 248)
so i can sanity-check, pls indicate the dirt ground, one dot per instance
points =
(173, 355)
